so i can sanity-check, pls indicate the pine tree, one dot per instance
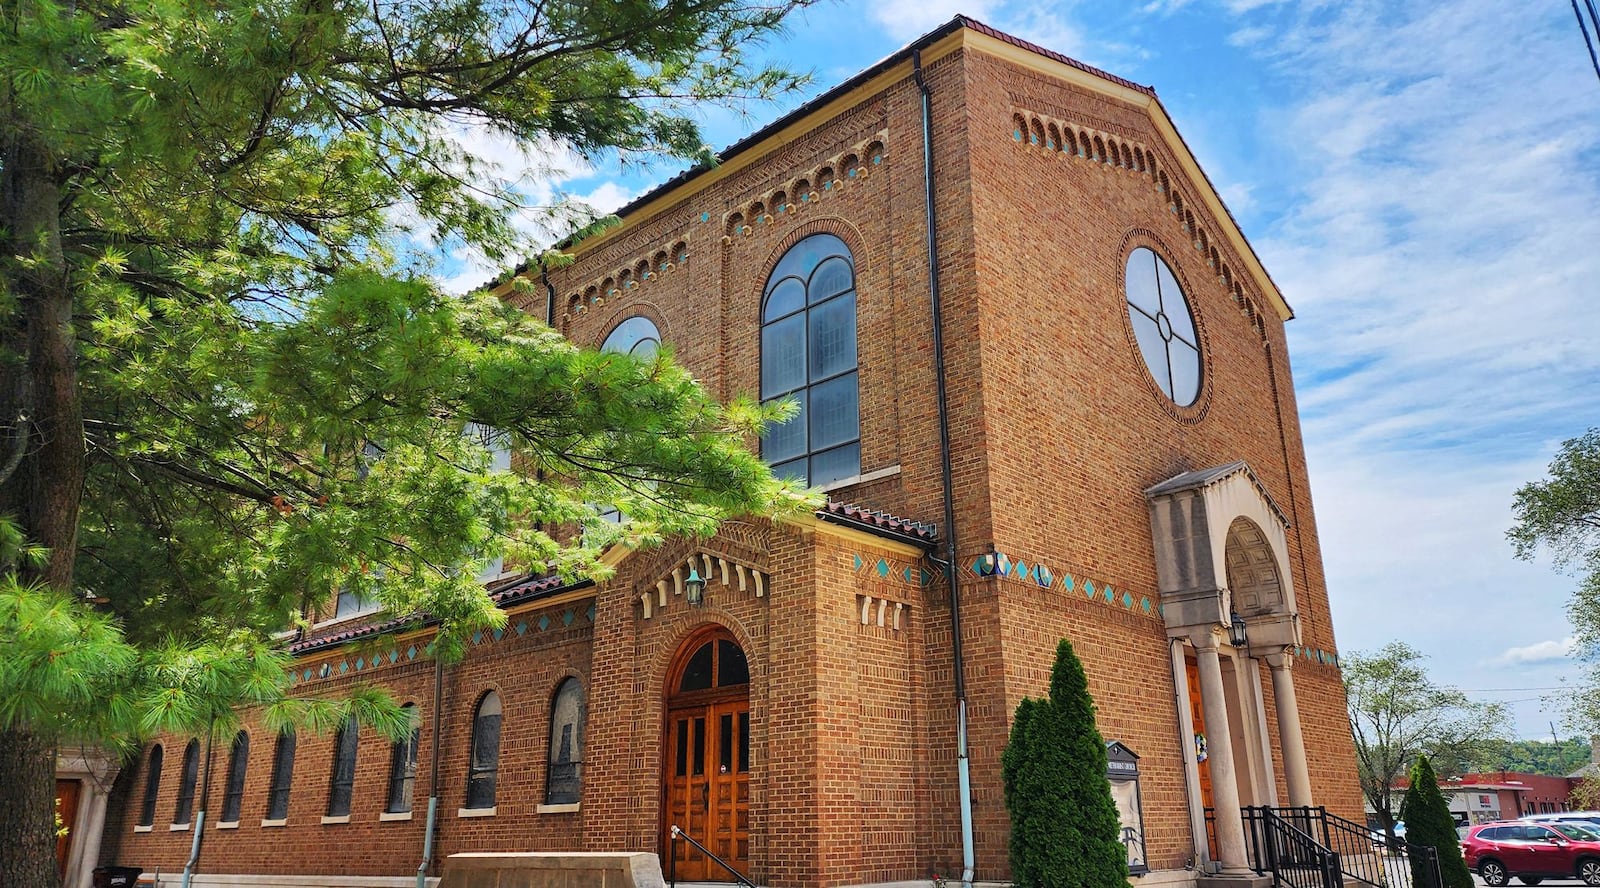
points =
(1064, 825)
(211, 305)
(1428, 823)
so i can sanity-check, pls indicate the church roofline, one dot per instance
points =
(960, 32)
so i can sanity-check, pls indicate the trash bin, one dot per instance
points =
(116, 876)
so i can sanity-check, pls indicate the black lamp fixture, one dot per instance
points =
(694, 588)
(1236, 631)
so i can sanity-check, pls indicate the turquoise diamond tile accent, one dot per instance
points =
(411, 652)
(1110, 594)
(927, 577)
(827, 186)
(1066, 582)
(980, 564)
(906, 575)
(567, 616)
(477, 637)
(877, 159)
(1144, 605)
(590, 613)
(883, 568)
(308, 675)
(1088, 589)
(499, 634)
(705, 217)
(1033, 139)
(1127, 600)
(343, 667)
(361, 663)
(1020, 569)
(858, 562)
(522, 628)
(1016, 135)
(393, 656)
(544, 622)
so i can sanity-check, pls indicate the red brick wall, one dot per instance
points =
(1056, 431)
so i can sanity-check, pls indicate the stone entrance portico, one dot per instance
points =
(1223, 517)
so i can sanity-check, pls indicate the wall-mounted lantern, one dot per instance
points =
(694, 588)
(1236, 630)
(1122, 770)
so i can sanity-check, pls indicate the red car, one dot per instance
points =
(1533, 852)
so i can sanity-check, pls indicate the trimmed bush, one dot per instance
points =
(1428, 822)
(1064, 825)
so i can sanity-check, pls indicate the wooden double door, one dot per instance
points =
(706, 773)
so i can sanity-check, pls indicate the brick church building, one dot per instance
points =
(1103, 439)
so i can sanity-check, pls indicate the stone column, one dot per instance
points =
(1295, 771)
(1219, 744)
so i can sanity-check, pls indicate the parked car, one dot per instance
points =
(1533, 852)
(1589, 817)
(1399, 834)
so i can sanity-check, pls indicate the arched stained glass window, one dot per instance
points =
(564, 785)
(808, 352)
(238, 763)
(484, 769)
(152, 785)
(341, 782)
(403, 765)
(637, 336)
(183, 812)
(1163, 326)
(282, 777)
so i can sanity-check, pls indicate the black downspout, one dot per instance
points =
(549, 295)
(433, 774)
(964, 780)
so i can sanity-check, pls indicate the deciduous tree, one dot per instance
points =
(1561, 515)
(1398, 713)
(226, 386)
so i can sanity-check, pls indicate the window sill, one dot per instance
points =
(568, 808)
(178, 827)
(477, 812)
(142, 828)
(341, 818)
(282, 821)
(391, 816)
(227, 824)
(874, 475)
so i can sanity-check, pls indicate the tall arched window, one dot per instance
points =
(152, 785)
(282, 777)
(484, 768)
(183, 812)
(808, 352)
(342, 780)
(564, 783)
(403, 765)
(238, 762)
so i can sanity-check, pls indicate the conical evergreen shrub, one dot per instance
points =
(1428, 822)
(1064, 824)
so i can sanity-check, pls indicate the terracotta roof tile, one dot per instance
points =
(874, 520)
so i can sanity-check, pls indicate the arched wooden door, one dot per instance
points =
(706, 760)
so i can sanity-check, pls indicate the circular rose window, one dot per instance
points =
(1163, 327)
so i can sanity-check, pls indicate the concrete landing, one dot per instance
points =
(552, 870)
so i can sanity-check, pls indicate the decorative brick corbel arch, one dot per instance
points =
(1221, 547)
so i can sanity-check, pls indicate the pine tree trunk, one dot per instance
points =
(41, 459)
(27, 812)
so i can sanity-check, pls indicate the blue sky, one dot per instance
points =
(1423, 182)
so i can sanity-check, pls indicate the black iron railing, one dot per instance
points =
(1367, 856)
(1278, 848)
(672, 859)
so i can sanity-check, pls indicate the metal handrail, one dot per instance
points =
(672, 859)
(1290, 855)
(1361, 851)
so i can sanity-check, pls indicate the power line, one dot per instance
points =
(1593, 59)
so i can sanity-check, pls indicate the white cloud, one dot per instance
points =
(1542, 652)
(905, 19)
(1439, 249)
